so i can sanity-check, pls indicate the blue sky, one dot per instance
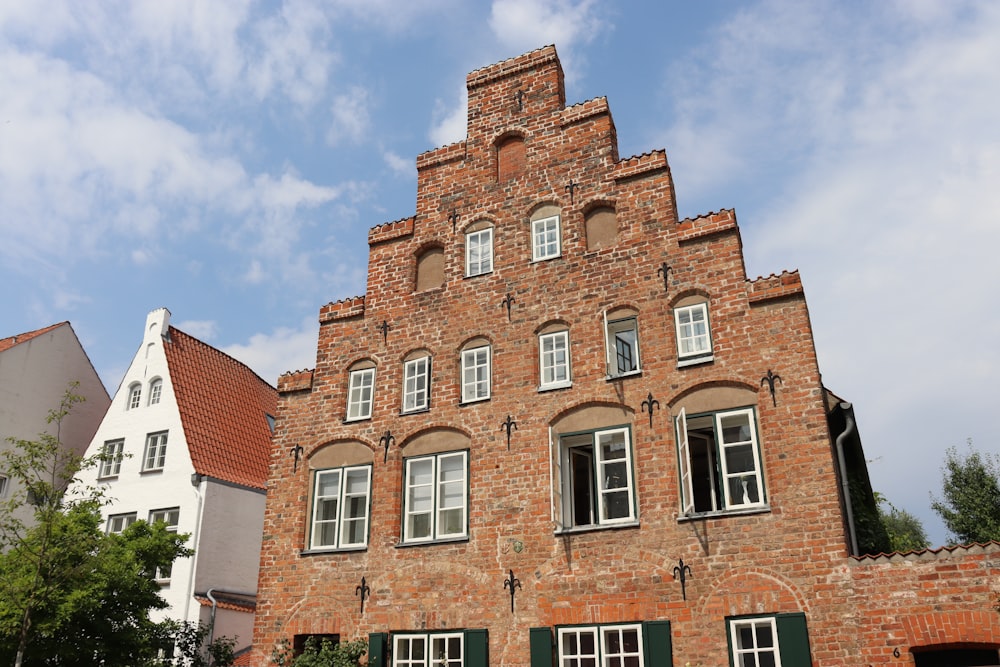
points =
(225, 159)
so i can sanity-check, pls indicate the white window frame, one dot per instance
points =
(360, 394)
(427, 656)
(721, 460)
(111, 458)
(604, 651)
(341, 496)
(585, 449)
(476, 373)
(546, 238)
(416, 384)
(554, 360)
(172, 517)
(431, 498)
(134, 396)
(755, 651)
(693, 346)
(119, 522)
(155, 391)
(480, 240)
(155, 454)
(614, 331)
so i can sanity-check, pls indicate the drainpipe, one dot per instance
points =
(215, 604)
(849, 428)
(196, 482)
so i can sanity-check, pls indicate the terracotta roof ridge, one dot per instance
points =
(946, 549)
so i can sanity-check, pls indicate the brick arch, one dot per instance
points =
(587, 405)
(952, 628)
(317, 615)
(711, 383)
(490, 220)
(689, 292)
(751, 590)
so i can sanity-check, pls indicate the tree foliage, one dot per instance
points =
(970, 503)
(904, 530)
(320, 652)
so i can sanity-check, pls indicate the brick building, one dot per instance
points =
(562, 427)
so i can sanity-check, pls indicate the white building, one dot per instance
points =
(191, 429)
(36, 369)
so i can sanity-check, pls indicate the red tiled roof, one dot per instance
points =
(7, 343)
(223, 406)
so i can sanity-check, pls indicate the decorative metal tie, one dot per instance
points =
(296, 455)
(570, 188)
(512, 583)
(453, 219)
(682, 571)
(520, 100)
(770, 379)
(385, 441)
(364, 591)
(507, 302)
(384, 328)
(509, 424)
(649, 404)
(664, 270)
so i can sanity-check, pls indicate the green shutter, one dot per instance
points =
(477, 648)
(541, 647)
(793, 640)
(377, 642)
(656, 642)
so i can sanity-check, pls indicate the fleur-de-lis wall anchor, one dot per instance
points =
(507, 302)
(512, 583)
(570, 188)
(681, 571)
(648, 405)
(364, 591)
(520, 100)
(384, 328)
(664, 271)
(509, 424)
(453, 219)
(385, 441)
(296, 455)
(771, 378)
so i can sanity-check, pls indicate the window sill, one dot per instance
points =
(622, 376)
(719, 514)
(477, 275)
(695, 361)
(555, 385)
(150, 471)
(321, 551)
(103, 480)
(575, 530)
(473, 401)
(357, 419)
(418, 411)
(539, 260)
(429, 543)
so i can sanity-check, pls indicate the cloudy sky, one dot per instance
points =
(225, 159)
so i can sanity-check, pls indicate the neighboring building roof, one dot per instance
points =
(7, 343)
(224, 407)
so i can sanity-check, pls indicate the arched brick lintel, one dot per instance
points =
(952, 628)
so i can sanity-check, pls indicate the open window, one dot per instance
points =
(719, 461)
(621, 328)
(593, 480)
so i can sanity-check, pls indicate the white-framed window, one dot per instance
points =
(593, 481)
(476, 374)
(479, 252)
(111, 458)
(719, 459)
(119, 522)
(416, 384)
(769, 641)
(155, 389)
(607, 645)
(171, 517)
(341, 501)
(694, 339)
(134, 396)
(359, 394)
(553, 360)
(436, 497)
(437, 649)
(156, 451)
(622, 336)
(545, 238)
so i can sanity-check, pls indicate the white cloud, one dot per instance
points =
(450, 123)
(400, 165)
(284, 349)
(349, 117)
(204, 330)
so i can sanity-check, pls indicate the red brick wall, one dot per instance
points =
(791, 557)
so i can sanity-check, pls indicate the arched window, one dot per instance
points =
(155, 389)
(476, 370)
(554, 357)
(510, 159)
(621, 328)
(546, 233)
(360, 390)
(341, 478)
(417, 381)
(479, 249)
(134, 396)
(430, 269)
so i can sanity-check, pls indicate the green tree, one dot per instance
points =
(321, 652)
(905, 531)
(970, 506)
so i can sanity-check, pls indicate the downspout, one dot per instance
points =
(849, 428)
(196, 481)
(215, 604)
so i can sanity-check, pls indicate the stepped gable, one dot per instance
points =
(11, 341)
(223, 407)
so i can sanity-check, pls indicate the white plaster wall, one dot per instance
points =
(34, 376)
(231, 534)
